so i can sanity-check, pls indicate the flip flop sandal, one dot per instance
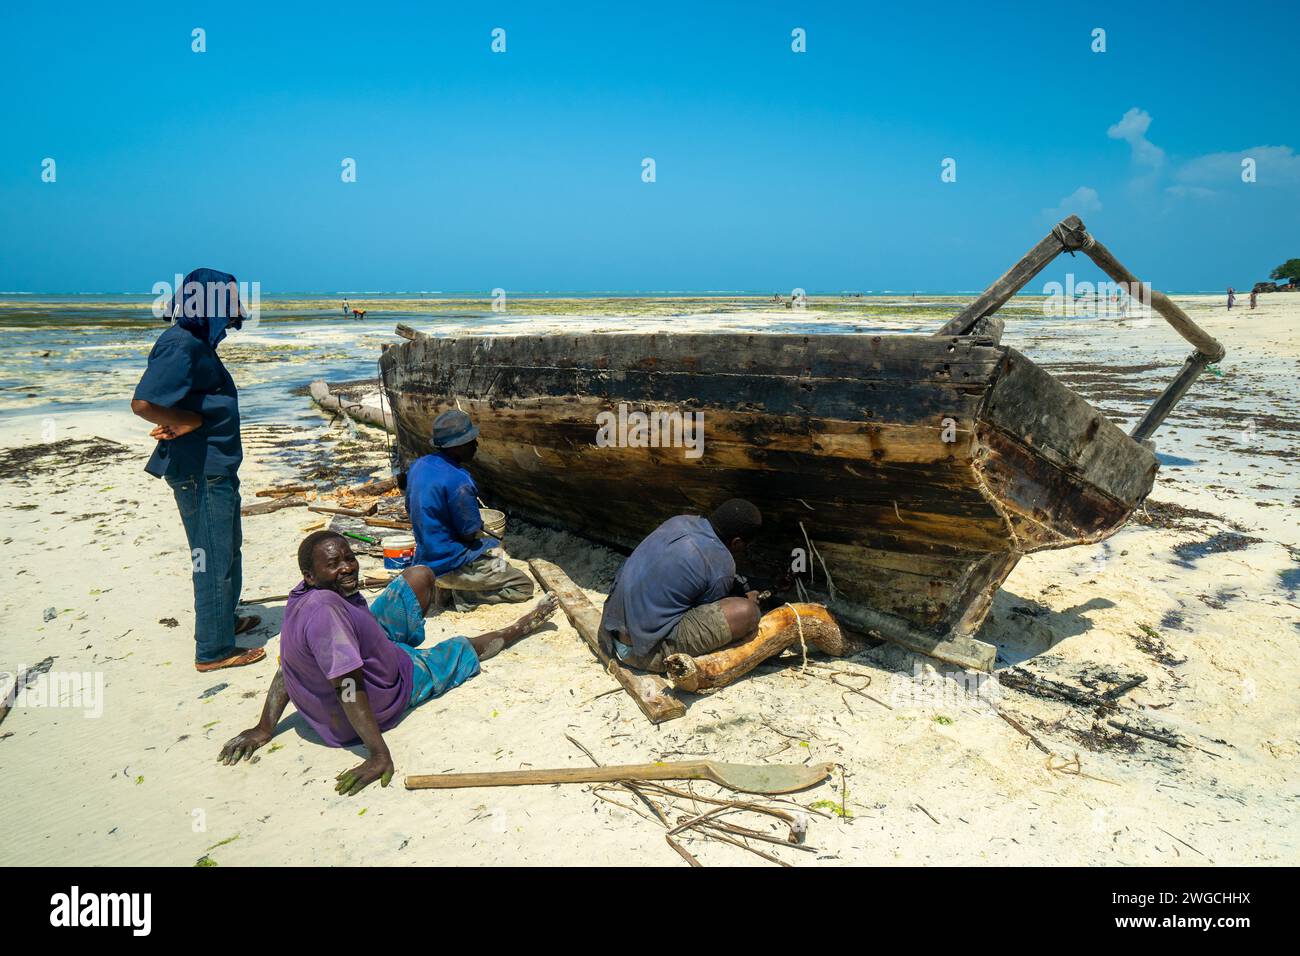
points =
(245, 624)
(250, 656)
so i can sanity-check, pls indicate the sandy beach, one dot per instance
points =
(1198, 596)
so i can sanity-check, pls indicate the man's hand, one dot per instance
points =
(751, 596)
(242, 746)
(168, 432)
(351, 782)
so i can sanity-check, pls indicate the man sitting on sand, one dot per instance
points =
(353, 671)
(678, 594)
(442, 501)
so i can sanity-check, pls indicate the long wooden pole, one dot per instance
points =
(651, 692)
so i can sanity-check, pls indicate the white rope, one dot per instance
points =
(803, 645)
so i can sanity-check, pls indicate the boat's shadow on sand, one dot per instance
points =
(1023, 629)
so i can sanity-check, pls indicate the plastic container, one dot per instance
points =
(399, 551)
(494, 522)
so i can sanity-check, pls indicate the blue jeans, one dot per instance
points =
(209, 508)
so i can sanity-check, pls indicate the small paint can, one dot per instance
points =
(399, 551)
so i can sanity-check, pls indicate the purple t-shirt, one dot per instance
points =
(325, 635)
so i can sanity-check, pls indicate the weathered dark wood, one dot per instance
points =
(922, 468)
(652, 693)
(1203, 342)
(1015, 278)
(275, 504)
(1172, 395)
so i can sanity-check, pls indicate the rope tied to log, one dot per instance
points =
(1070, 239)
(803, 644)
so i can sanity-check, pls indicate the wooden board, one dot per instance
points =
(653, 694)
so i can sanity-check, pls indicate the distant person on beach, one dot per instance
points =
(346, 308)
(353, 670)
(442, 501)
(1232, 297)
(678, 592)
(1253, 296)
(188, 394)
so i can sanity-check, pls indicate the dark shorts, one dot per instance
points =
(701, 630)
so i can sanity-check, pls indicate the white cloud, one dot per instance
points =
(1132, 128)
(1081, 202)
(1274, 165)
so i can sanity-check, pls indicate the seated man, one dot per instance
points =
(352, 671)
(449, 540)
(671, 596)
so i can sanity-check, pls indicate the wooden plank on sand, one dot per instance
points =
(653, 694)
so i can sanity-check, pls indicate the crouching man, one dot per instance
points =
(442, 500)
(678, 593)
(352, 670)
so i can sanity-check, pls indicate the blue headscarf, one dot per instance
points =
(190, 305)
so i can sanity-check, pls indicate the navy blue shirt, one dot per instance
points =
(681, 565)
(442, 501)
(184, 372)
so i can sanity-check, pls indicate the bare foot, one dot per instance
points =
(535, 618)
(490, 644)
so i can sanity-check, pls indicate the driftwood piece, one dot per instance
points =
(283, 490)
(346, 512)
(366, 414)
(22, 680)
(275, 504)
(379, 487)
(387, 523)
(652, 693)
(778, 629)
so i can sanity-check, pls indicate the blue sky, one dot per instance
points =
(522, 170)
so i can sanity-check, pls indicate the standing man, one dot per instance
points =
(678, 592)
(1232, 297)
(442, 501)
(188, 394)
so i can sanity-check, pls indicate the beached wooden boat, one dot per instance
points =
(919, 467)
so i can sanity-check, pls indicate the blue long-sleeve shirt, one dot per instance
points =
(442, 501)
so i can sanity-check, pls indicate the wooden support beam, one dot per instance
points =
(1017, 277)
(651, 692)
(1203, 342)
(956, 649)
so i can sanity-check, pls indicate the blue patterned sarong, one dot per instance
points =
(436, 669)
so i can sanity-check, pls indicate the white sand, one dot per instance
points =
(140, 784)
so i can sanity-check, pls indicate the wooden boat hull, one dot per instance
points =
(920, 468)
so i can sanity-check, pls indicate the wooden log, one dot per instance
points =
(379, 487)
(953, 648)
(1204, 343)
(366, 414)
(283, 490)
(406, 332)
(777, 630)
(275, 504)
(346, 512)
(1014, 279)
(386, 523)
(652, 693)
